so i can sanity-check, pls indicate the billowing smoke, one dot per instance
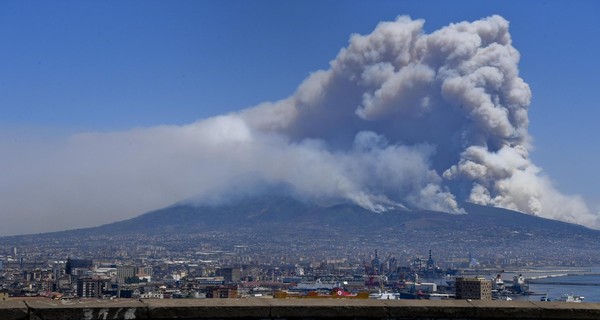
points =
(453, 96)
(401, 118)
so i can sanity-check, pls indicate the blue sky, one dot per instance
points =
(79, 66)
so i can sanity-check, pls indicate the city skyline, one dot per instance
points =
(81, 73)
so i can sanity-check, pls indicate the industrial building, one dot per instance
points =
(473, 288)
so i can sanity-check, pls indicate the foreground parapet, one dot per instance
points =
(13, 310)
(45, 309)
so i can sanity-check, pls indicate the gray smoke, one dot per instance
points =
(453, 96)
(401, 118)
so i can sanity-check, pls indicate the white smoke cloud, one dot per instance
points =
(401, 118)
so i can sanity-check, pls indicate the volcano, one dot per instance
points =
(278, 212)
(285, 224)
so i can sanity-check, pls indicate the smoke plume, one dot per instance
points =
(400, 118)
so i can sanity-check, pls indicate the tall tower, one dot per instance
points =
(430, 262)
(68, 267)
(376, 263)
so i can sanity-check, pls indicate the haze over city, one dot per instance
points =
(109, 110)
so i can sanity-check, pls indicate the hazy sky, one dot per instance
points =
(72, 70)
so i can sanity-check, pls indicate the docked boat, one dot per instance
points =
(497, 283)
(440, 296)
(385, 295)
(571, 298)
(519, 285)
(545, 298)
(336, 293)
(315, 286)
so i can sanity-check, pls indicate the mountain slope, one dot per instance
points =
(288, 213)
(275, 223)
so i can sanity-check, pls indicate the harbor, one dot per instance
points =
(548, 284)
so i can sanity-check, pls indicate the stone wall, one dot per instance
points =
(45, 309)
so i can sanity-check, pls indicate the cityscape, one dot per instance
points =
(299, 160)
(255, 262)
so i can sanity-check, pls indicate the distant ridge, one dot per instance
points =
(276, 211)
(283, 224)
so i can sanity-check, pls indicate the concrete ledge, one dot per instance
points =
(208, 308)
(13, 310)
(505, 309)
(328, 308)
(44, 309)
(567, 310)
(439, 309)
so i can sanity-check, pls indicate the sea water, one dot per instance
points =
(554, 282)
(587, 286)
(557, 281)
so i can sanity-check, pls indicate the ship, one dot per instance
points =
(519, 285)
(387, 295)
(571, 298)
(315, 286)
(335, 293)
